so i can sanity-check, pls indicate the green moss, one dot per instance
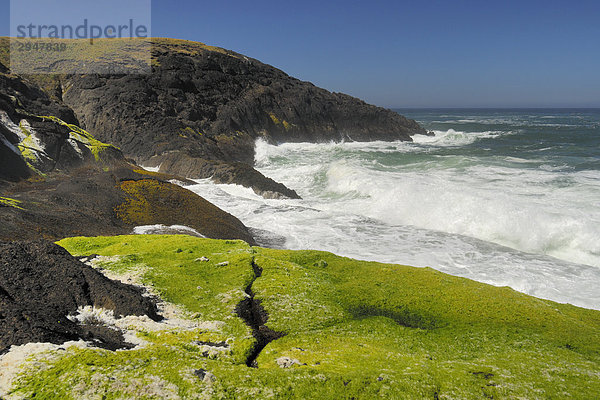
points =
(206, 290)
(8, 202)
(27, 146)
(95, 146)
(427, 331)
(358, 330)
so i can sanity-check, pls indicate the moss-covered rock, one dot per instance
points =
(39, 135)
(154, 202)
(351, 329)
(93, 201)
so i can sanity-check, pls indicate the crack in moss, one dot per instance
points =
(255, 316)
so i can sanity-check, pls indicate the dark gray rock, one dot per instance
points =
(41, 284)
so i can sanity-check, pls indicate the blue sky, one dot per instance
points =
(408, 53)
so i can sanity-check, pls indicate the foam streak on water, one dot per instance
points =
(497, 198)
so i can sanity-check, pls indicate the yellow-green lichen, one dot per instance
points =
(28, 145)
(190, 131)
(27, 152)
(23, 128)
(8, 202)
(275, 120)
(286, 125)
(95, 146)
(150, 201)
(30, 149)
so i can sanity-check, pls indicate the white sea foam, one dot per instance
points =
(498, 220)
(152, 169)
(454, 138)
(515, 209)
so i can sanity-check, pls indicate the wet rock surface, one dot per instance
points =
(41, 284)
(238, 173)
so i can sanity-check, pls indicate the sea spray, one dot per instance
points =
(504, 199)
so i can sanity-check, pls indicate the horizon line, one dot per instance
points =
(494, 108)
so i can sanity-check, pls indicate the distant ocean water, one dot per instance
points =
(506, 197)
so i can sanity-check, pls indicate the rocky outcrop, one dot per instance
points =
(41, 285)
(149, 202)
(206, 106)
(222, 172)
(90, 201)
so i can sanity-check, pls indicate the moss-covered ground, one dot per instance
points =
(353, 329)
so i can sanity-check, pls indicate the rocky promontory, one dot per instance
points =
(69, 144)
(213, 103)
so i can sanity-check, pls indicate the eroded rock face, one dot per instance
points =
(41, 284)
(39, 135)
(203, 105)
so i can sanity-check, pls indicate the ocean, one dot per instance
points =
(505, 197)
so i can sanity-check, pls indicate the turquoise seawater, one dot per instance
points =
(566, 139)
(507, 197)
